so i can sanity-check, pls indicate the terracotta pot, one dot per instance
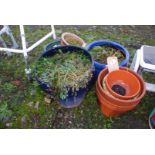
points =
(125, 79)
(109, 109)
(112, 106)
(67, 39)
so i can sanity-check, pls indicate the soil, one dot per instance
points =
(100, 53)
(119, 90)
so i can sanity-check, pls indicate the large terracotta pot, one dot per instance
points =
(109, 109)
(112, 106)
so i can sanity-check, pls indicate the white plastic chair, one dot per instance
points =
(144, 61)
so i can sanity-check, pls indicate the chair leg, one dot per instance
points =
(6, 29)
(136, 61)
(149, 86)
(4, 45)
(27, 68)
(25, 54)
(9, 33)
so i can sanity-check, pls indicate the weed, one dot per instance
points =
(4, 111)
(8, 87)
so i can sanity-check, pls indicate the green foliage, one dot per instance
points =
(100, 53)
(4, 111)
(8, 87)
(65, 71)
(149, 77)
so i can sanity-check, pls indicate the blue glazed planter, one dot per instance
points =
(72, 100)
(99, 66)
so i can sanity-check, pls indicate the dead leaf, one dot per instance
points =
(47, 99)
(36, 105)
(16, 82)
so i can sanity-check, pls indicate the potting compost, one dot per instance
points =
(119, 89)
(100, 53)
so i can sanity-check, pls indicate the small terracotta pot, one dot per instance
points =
(125, 79)
(112, 106)
(67, 39)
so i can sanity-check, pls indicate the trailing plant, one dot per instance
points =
(65, 72)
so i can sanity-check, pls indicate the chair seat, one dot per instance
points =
(147, 59)
(150, 87)
(144, 61)
(149, 55)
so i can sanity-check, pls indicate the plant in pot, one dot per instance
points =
(102, 49)
(66, 72)
(72, 39)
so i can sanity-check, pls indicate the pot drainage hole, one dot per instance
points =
(119, 90)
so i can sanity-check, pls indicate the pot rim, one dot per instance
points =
(120, 96)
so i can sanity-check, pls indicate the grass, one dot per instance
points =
(24, 106)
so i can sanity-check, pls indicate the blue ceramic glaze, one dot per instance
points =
(98, 66)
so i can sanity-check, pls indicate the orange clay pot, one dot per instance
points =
(67, 39)
(109, 109)
(112, 106)
(125, 79)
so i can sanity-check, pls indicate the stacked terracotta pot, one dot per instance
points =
(113, 104)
